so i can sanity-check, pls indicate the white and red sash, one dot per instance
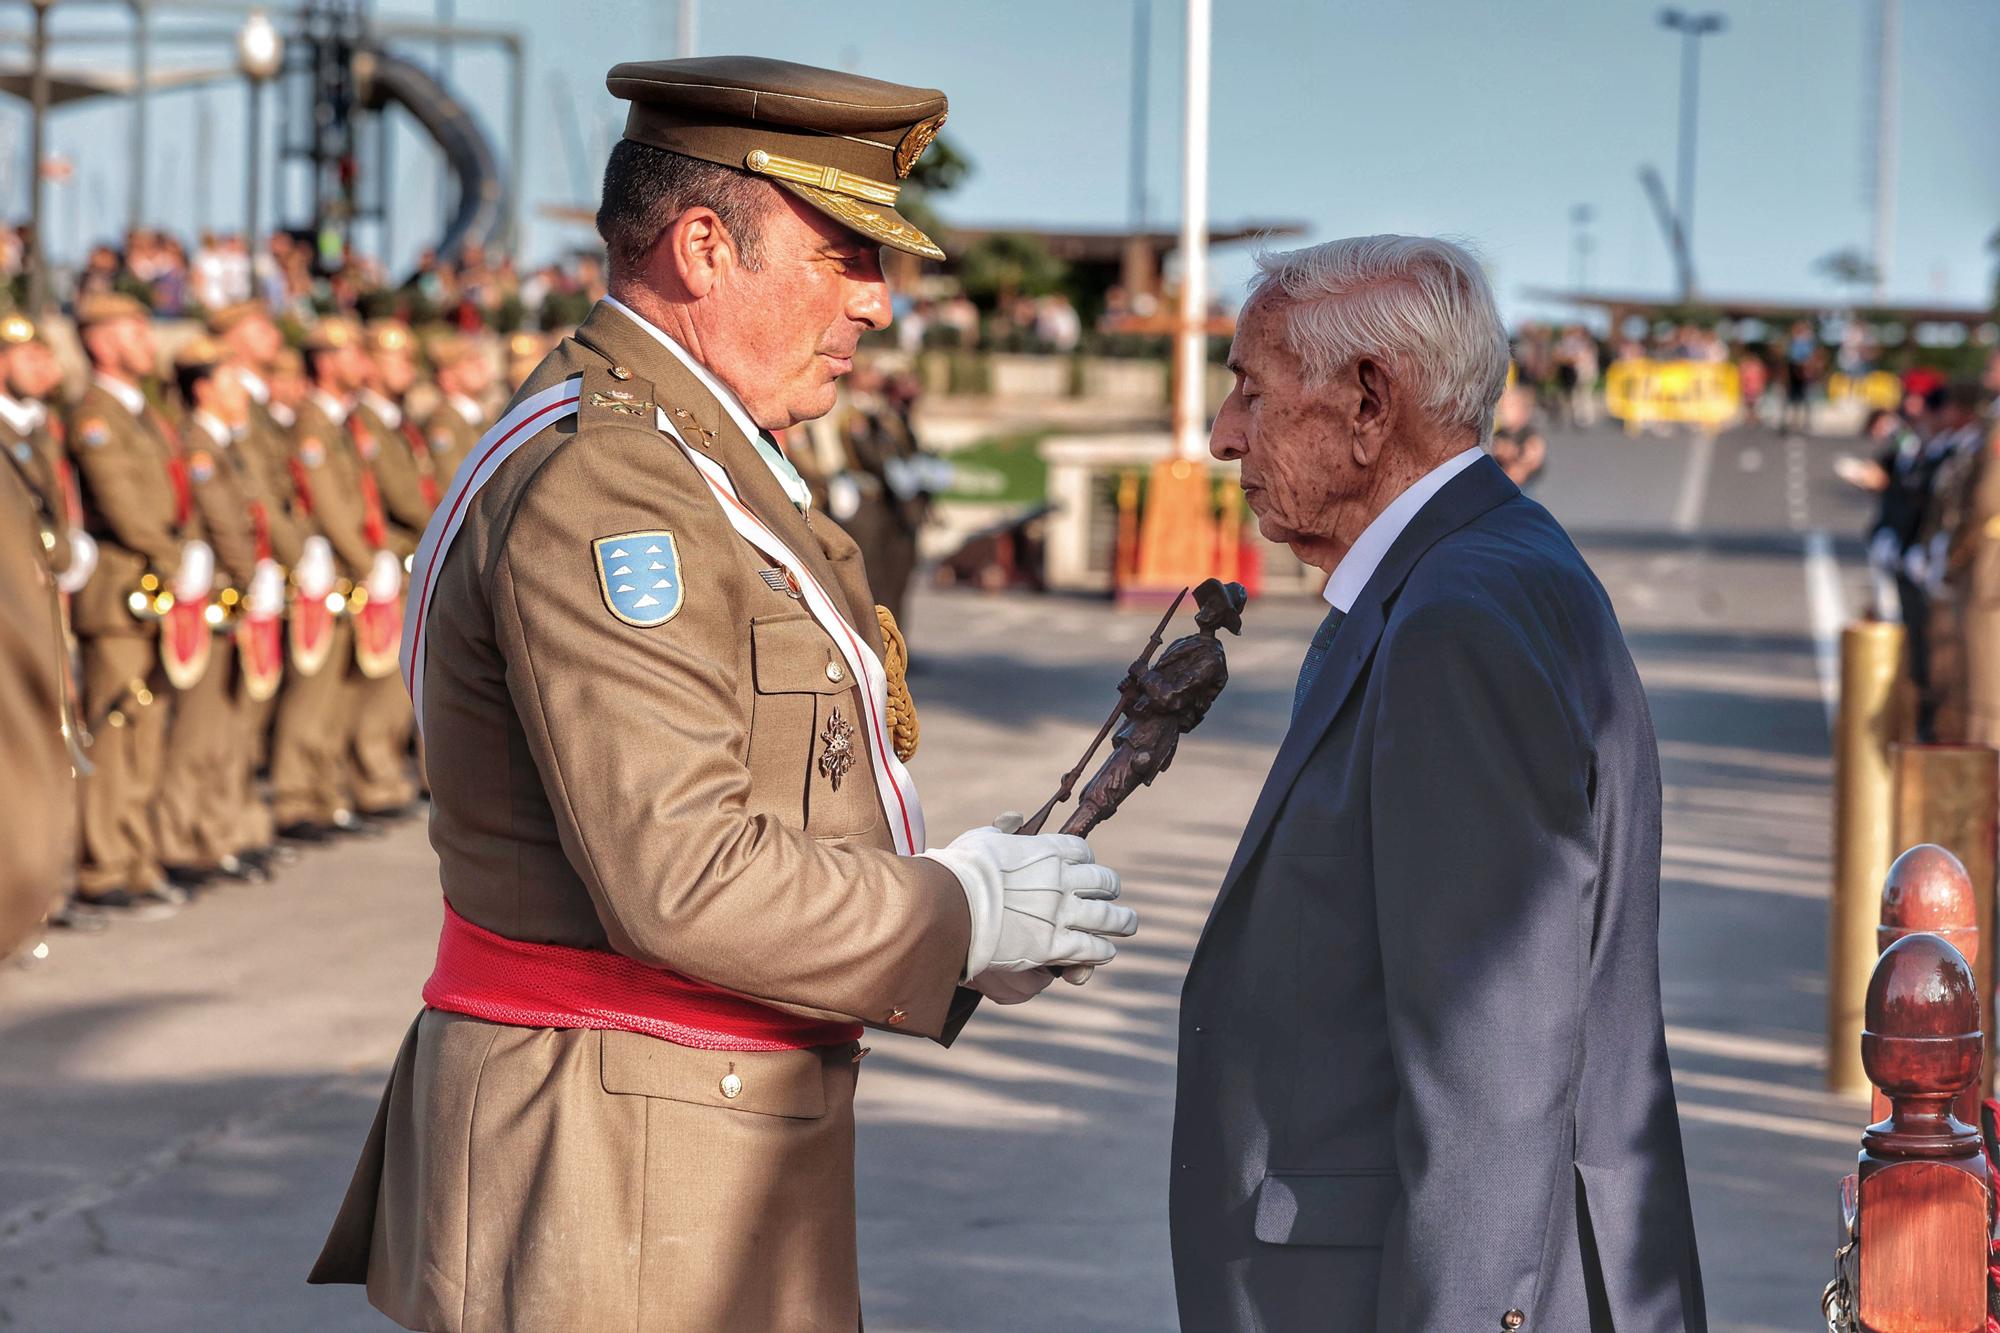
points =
(893, 783)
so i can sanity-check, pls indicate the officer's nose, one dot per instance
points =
(868, 301)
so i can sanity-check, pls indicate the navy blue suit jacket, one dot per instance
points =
(1423, 1074)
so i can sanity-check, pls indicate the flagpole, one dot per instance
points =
(1190, 399)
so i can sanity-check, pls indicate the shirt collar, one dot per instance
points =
(218, 432)
(283, 415)
(466, 408)
(1351, 575)
(333, 407)
(255, 384)
(23, 415)
(730, 403)
(128, 395)
(392, 415)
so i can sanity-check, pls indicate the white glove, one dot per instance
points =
(315, 571)
(843, 497)
(1038, 901)
(266, 594)
(196, 574)
(1004, 987)
(385, 577)
(82, 561)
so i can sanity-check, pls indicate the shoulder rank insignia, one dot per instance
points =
(619, 400)
(640, 576)
(94, 432)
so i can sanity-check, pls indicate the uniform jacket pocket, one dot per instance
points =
(1350, 1207)
(781, 1083)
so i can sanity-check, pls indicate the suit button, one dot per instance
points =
(1512, 1320)
(732, 1086)
(620, 373)
(833, 672)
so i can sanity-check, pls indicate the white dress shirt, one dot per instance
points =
(128, 395)
(1351, 575)
(22, 414)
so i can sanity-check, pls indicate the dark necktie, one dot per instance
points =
(1316, 656)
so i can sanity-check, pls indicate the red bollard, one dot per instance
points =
(1921, 1210)
(1928, 890)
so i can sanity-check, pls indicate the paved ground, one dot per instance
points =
(183, 1101)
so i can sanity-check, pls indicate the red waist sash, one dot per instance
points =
(527, 985)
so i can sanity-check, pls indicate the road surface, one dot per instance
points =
(183, 1101)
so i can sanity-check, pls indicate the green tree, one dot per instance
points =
(1007, 264)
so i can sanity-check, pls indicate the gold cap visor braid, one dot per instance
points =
(876, 222)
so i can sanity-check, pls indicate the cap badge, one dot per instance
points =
(838, 756)
(639, 574)
(913, 144)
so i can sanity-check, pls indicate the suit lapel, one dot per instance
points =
(1481, 487)
(700, 419)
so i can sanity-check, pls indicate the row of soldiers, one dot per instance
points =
(221, 555)
(1935, 550)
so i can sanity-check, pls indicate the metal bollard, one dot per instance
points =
(1871, 667)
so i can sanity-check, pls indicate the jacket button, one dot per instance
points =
(1512, 1320)
(732, 1086)
(620, 373)
(833, 672)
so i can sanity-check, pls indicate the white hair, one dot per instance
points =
(1421, 304)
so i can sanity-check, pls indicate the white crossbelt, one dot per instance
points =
(894, 786)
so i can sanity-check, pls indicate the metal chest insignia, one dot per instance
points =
(640, 576)
(620, 400)
(838, 756)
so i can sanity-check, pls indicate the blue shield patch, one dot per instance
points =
(640, 575)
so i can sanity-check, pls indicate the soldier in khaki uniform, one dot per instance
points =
(396, 451)
(30, 379)
(253, 349)
(464, 375)
(38, 818)
(314, 729)
(137, 505)
(663, 780)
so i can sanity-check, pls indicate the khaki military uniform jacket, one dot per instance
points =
(451, 435)
(126, 472)
(27, 436)
(263, 460)
(651, 791)
(327, 472)
(222, 501)
(38, 818)
(399, 471)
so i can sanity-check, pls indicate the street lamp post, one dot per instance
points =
(38, 115)
(1692, 28)
(260, 54)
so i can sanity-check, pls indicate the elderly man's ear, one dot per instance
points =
(1374, 409)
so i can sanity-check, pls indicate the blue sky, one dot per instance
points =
(1476, 118)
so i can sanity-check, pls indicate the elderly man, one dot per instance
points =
(1423, 1077)
(683, 863)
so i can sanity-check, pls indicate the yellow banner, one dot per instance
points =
(1878, 388)
(1700, 393)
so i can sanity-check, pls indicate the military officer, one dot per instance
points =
(253, 350)
(399, 455)
(314, 728)
(38, 818)
(464, 375)
(30, 379)
(666, 783)
(152, 562)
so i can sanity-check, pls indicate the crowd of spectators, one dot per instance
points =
(478, 291)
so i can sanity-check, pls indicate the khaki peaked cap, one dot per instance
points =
(104, 307)
(840, 142)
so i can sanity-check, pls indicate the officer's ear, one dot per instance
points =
(700, 251)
